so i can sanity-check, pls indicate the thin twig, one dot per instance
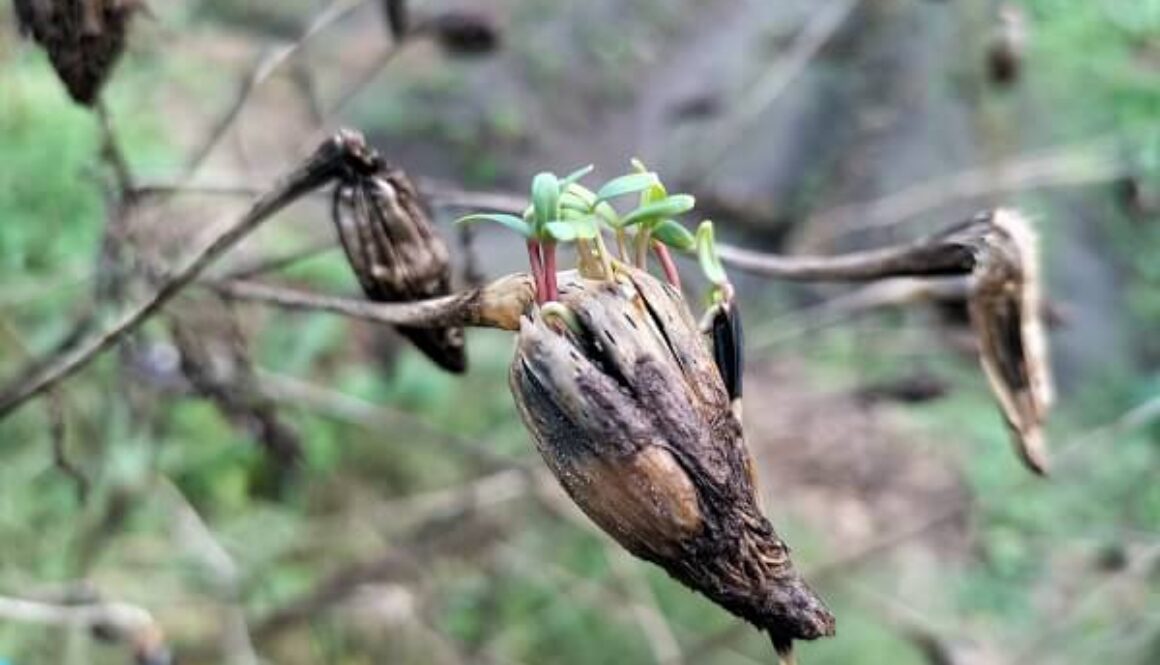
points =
(266, 67)
(112, 153)
(318, 169)
(808, 43)
(497, 305)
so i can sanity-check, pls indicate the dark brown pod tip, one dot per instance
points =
(396, 252)
(465, 32)
(628, 409)
(84, 38)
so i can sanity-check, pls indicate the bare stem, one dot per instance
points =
(667, 264)
(551, 291)
(948, 253)
(536, 261)
(318, 169)
(497, 305)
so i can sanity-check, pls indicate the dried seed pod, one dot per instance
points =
(84, 38)
(628, 410)
(1006, 313)
(465, 32)
(396, 253)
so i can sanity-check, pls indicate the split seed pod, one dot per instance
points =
(628, 409)
(84, 38)
(1005, 309)
(396, 253)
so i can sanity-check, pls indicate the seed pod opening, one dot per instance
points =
(84, 39)
(465, 33)
(1005, 309)
(396, 253)
(628, 409)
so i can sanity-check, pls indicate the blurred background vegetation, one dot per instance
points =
(421, 527)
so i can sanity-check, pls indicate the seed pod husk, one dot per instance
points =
(1006, 312)
(84, 38)
(396, 253)
(628, 409)
(465, 33)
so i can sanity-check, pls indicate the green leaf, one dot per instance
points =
(575, 176)
(545, 197)
(668, 207)
(511, 221)
(707, 255)
(675, 235)
(627, 184)
(566, 231)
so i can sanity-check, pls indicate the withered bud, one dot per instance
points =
(84, 38)
(395, 251)
(1006, 313)
(628, 409)
(464, 32)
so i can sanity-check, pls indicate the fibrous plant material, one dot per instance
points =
(1005, 309)
(84, 38)
(628, 409)
(395, 251)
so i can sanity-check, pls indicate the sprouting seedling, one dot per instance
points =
(545, 224)
(722, 320)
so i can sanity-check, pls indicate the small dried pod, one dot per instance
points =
(628, 409)
(84, 38)
(395, 251)
(464, 32)
(1006, 312)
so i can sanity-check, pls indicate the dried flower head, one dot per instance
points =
(1005, 309)
(395, 251)
(629, 411)
(84, 38)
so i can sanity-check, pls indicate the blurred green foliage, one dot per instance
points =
(544, 598)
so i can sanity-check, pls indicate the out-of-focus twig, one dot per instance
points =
(115, 621)
(809, 42)
(496, 305)
(317, 170)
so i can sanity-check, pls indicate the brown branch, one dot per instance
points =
(315, 171)
(497, 305)
(948, 253)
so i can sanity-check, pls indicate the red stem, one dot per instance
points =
(667, 264)
(537, 264)
(550, 271)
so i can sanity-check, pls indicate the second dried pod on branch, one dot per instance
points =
(395, 251)
(84, 38)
